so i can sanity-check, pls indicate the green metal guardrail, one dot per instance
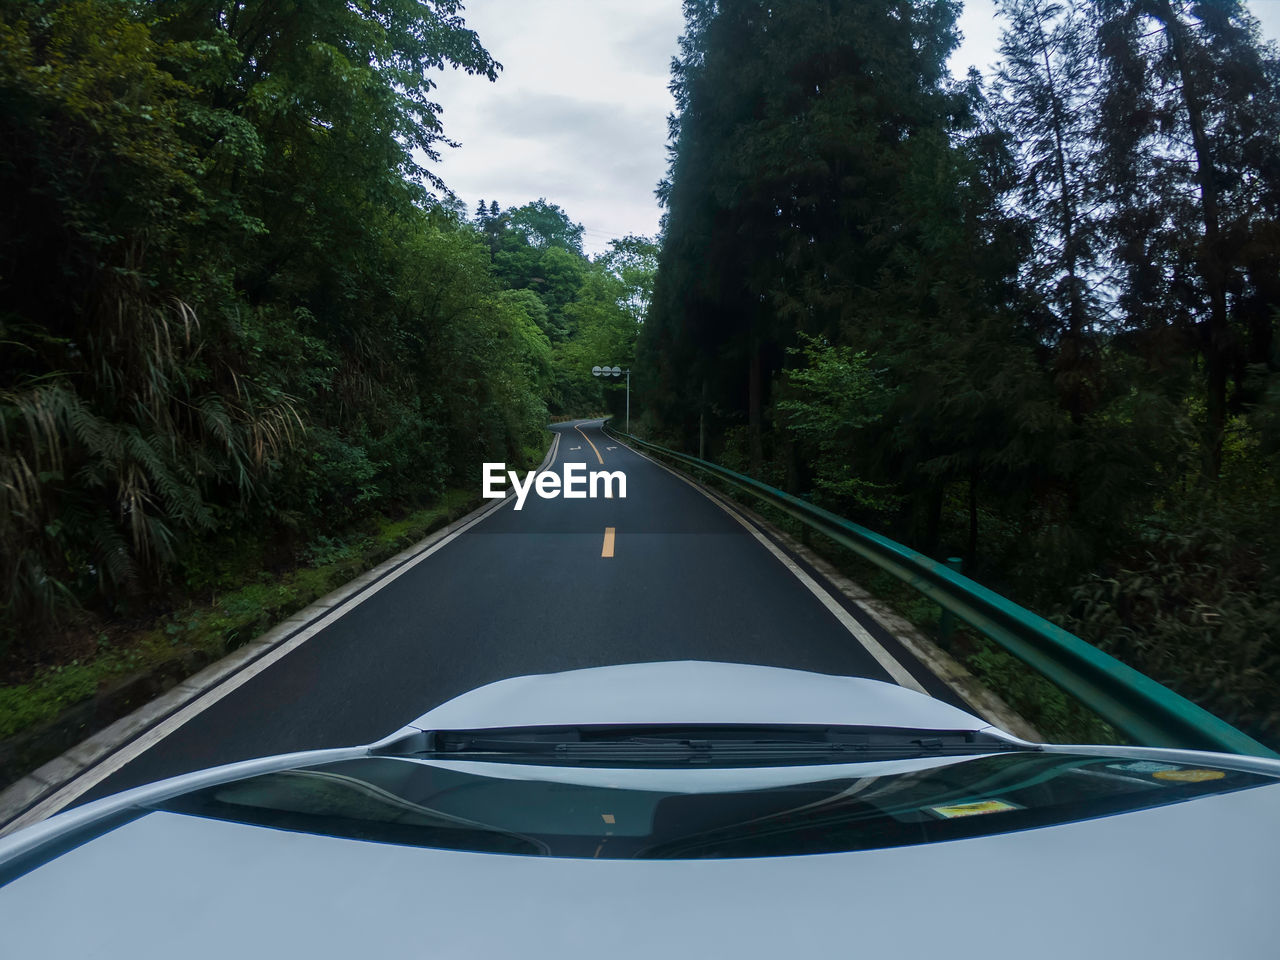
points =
(1144, 710)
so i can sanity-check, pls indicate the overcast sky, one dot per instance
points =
(579, 113)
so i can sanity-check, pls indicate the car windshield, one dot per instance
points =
(423, 803)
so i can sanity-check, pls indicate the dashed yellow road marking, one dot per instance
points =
(588, 439)
(607, 550)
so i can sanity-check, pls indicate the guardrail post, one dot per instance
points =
(1137, 706)
(947, 622)
(805, 536)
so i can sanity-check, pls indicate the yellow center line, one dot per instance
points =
(588, 439)
(607, 551)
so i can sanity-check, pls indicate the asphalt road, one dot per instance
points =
(530, 592)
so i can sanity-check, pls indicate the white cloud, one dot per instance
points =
(980, 36)
(980, 25)
(578, 114)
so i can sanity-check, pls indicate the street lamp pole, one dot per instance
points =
(617, 372)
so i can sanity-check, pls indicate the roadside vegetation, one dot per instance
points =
(1029, 322)
(214, 618)
(249, 341)
(250, 344)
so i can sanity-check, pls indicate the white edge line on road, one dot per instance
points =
(901, 675)
(136, 747)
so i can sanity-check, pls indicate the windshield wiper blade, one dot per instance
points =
(680, 745)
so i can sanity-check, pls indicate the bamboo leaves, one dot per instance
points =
(222, 305)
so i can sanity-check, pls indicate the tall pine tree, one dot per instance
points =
(1191, 136)
(1047, 81)
(811, 145)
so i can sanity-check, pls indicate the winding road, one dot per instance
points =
(667, 573)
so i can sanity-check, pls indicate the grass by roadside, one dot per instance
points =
(198, 633)
(1057, 715)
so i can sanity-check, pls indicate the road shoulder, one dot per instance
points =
(888, 628)
(59, 782)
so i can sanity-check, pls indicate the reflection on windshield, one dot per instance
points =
(402, 801)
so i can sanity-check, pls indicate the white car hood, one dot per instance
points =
(1191, 880)
(693, 692)
(1188, 880)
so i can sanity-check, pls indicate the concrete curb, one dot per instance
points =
(948, 669)
(18, 800)
(983, 701)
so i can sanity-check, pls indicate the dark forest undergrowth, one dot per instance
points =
(1027, 318)
(239, 589)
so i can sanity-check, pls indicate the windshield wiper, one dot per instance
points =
(659, 745)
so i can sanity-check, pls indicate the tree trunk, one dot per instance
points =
(972, 550)
(1217, 341)
(1265, 279)
(1070, 359)
(702, 421)
(933, 518)
(755, 413)
(1071, 355)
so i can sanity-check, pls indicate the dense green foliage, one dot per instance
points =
(249, 601)
(591, 311)
(236, 304)
(1031, 323)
